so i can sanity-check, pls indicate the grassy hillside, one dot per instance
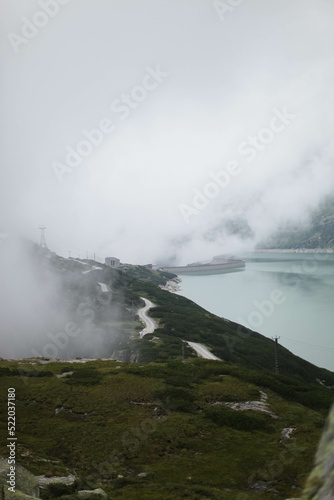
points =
(179, 320)
(162, 430)
(162, 427)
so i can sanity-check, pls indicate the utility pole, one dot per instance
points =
(42, 243)
(276, 353)
(182, 353)
(69, 254)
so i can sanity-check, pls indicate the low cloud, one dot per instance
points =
(50, 311)
(227, 81)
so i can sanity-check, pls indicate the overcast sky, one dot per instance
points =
(209, 111)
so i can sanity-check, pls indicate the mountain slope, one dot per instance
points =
(109, 326)
(319, 234)
(163, 427)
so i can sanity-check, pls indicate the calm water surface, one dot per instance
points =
(290, 295)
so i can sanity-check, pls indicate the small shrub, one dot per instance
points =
(85, 376)
(178, 398)
(56, 490)
(65, 369)
(241, 420)
(32, 373)
(5, 372)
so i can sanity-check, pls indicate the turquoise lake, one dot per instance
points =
(290, 295)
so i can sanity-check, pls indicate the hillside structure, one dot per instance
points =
(112, 261)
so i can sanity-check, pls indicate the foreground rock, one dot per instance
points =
(51, 487)
(320, 484)
(25, 482)
(17, 495)
(97, 494)
(29, 487)
(261, 405)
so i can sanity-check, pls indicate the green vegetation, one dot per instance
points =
(242, 420)
(179, 320)
(159, 428)
(85, 375)
(111, 421)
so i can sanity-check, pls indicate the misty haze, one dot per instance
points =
(215, 141)
(166, 249)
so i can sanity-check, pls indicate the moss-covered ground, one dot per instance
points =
(161, 430)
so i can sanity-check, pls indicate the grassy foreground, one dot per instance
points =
(161, 430)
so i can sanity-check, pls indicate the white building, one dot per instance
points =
(112, 261)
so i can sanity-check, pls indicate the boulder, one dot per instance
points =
(17, 495)
(52, 487)
(320, 483)
(97, 494)
(25, 482)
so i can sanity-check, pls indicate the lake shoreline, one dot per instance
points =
(303, 318)
(172, 285)
(295, 250)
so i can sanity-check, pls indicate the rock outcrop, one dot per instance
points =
(320, 484)
(16, 495)
(51, 487)
(30, 487)
(25, 482)
(97, 494)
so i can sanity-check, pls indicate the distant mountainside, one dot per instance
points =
(318, 235)
(98, 306)
(110, 326)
